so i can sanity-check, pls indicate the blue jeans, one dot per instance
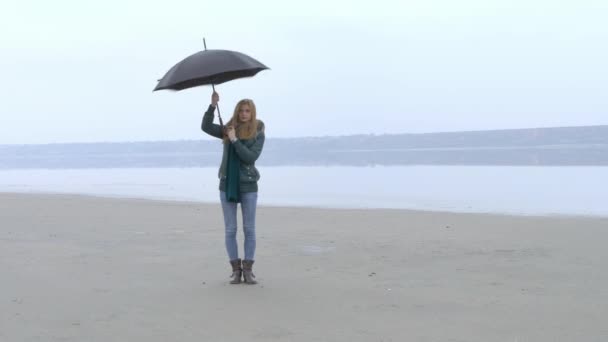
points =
(249, 202)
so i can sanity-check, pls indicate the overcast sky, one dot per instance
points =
(83, 71)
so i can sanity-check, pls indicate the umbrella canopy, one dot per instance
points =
(209, 67)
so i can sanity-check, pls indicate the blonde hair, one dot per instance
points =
(246, 130)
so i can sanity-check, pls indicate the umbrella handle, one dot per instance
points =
(219, 117)
(218, 111)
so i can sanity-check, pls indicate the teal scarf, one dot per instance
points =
(233, 178)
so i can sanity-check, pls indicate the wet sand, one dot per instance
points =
(78, 268)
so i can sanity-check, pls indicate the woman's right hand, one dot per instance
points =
(215, 98)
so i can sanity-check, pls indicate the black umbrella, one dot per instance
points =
(209, 67)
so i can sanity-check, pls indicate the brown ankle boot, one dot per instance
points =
(248, 273)
(237, 271)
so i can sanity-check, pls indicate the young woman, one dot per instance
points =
(243, 140)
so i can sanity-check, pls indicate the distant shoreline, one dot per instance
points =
(534, 131)
(558, 146)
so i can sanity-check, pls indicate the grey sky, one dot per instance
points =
(81, 71)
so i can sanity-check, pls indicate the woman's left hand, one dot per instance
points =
(231, 133)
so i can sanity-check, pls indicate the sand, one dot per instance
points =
(77, 268)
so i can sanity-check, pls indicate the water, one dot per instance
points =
(526, 190)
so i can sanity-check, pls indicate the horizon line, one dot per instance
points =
(304, 137)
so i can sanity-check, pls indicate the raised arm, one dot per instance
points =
(207, 125)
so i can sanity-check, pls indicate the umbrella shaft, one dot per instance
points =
(218, 108)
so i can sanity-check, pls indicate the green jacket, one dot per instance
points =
(248, 151)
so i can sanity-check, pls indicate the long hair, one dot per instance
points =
(244, 130)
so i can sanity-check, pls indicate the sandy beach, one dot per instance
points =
(78, 268)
